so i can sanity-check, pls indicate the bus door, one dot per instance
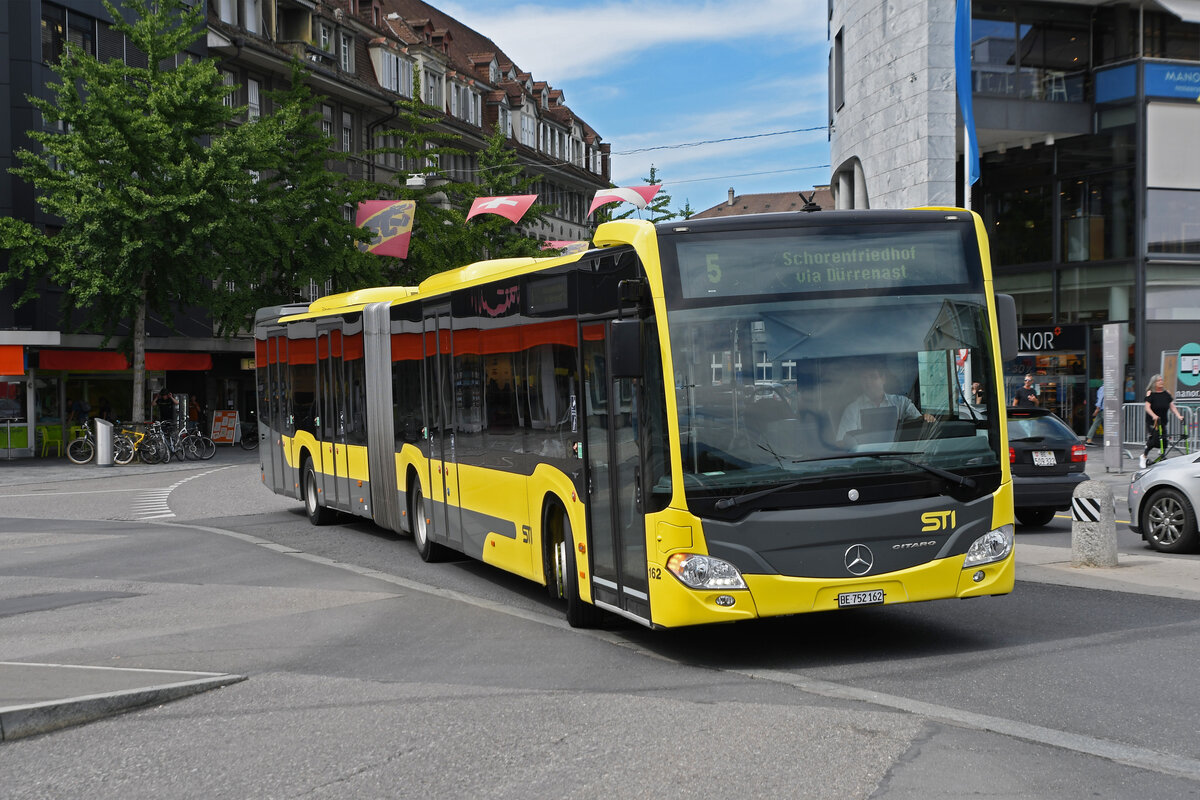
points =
(616, 530)
(446, 525)
(332, 405)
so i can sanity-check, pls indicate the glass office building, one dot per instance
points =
(1087, 122)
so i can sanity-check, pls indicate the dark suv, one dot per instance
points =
(1047, 460)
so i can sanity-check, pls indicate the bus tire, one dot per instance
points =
(317, 513)
(429, 551)
(562, 574)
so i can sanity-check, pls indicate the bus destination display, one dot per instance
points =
(768, 264)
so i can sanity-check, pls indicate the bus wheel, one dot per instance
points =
(562, 574)
(428, 551)
(317, 513)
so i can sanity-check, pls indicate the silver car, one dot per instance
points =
(1163, 499)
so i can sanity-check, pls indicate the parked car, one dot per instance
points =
(1163, 499)
(1047, 459)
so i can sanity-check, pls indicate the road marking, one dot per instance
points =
(1129, 755)
(152, 504)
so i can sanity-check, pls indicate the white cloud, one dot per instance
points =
(585, 40)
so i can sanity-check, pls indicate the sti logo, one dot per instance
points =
(938, 521)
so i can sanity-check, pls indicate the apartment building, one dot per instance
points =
(1086, 118)
(361, 57)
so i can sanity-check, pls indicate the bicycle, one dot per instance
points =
(249, 439)
(83, 449)
(194, 444)
(133, 443)
(1169, 443)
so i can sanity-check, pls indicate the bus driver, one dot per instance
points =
(874, 397)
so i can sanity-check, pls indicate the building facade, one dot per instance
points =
(1086, 117)
(361, 57)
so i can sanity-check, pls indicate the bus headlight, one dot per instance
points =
(995, 545)
(705, 572)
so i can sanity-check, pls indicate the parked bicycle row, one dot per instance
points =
(155, 443)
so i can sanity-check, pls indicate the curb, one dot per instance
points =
(32, 719)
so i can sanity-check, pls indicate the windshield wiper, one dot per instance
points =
(956, 479)
(730, 502)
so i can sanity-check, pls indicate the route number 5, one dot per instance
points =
(714, 269)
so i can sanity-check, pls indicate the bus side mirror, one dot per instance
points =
(626, 348)
(1006, 321)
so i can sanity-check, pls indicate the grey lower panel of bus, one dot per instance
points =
(814, 543)
(278, 476)
(475, 528)
(349, 497)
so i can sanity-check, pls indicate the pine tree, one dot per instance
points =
(500, 174)
(658, 209)
(439, 237)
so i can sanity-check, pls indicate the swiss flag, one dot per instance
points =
(640, 196)
(391, 221)
(512, 207)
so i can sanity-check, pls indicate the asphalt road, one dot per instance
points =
(373, 674)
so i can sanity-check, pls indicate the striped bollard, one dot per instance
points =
(1093, 526)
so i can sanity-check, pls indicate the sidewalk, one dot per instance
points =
(24, 471)
(38, 698)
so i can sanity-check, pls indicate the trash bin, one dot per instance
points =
(104, 443)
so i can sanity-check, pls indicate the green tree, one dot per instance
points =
(440, 240)
(687, 211)
(658, 209)
(500, 174)
(141, 175)
(292, 227)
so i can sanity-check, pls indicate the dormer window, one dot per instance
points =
(346, 51)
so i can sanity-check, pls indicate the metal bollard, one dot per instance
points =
(104, 443)
(1093, 526)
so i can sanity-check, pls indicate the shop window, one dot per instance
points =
(1095, 294)
(1019, 224)
(1034, 52)
(1097, 217)
(1167, 37)
(1033, 293)
(1172, 292)
(1173, 222)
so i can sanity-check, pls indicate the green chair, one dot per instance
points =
(51, 437)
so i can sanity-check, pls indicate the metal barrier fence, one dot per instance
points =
(1133, 424)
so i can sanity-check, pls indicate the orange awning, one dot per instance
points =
(108, 361)
(12, 359)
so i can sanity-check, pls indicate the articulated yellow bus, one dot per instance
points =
(694, 422)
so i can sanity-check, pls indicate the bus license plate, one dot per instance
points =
(871, 598)
(1043, 458)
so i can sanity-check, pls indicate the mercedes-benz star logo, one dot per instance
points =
(859, 559)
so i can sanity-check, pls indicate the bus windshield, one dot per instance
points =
(776, 391)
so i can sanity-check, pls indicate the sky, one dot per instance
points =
(749, 78)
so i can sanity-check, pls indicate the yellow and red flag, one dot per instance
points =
(512, 207)
(391, 221)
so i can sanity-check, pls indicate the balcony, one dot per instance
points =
(1029, 83)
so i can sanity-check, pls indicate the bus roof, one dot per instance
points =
(484, 271)
(352, 301)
